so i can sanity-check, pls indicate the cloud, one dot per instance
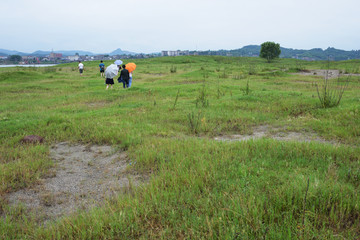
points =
(148, 26)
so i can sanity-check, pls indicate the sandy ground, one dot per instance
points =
(84, 177)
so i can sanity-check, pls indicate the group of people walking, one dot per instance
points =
(125, 76)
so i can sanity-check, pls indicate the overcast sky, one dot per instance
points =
(154, 25)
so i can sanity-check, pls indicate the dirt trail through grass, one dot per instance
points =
(84, 177)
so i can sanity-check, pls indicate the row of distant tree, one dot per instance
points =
(14, 58)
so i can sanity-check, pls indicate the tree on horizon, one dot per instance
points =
(270, 51)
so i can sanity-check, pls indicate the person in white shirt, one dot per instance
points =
(81, 68)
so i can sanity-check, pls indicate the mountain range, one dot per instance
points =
(312, 54)
(246, 51)
(39, 53)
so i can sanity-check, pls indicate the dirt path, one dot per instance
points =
(83, 178)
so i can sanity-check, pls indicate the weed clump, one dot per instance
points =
(173, 69)
(246, 90)
(330, 91)
(202, 99)
(50, 70)
(194, 121)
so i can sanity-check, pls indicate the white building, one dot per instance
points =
(73, 58)
(174, 53)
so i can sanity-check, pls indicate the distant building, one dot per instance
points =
(174, 53)
(55, 55)
(73, 58)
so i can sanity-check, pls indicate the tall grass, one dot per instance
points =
(330, 91)
(199, 188)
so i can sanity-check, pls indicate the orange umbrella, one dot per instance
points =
(130, 67)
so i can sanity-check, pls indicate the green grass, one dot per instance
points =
(199, 188)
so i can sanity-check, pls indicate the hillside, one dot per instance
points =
(312, 54)
(40, 53)
(121, 52)
(5, 52)
(246, 51)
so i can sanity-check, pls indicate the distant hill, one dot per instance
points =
(64, 53)
(73, 52)
(312, 54)
(39, 53)
(319, 54)
(246, 51)
(121, 52)
(11, 52)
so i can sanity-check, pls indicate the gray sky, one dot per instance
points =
(154, 25)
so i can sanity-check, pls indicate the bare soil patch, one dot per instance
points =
(188, 82)
(98, 104)
(321, 73)
(280, 134)
(84, 177)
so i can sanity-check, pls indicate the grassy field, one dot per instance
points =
(199, 188)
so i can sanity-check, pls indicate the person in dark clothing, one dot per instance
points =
(102, 68)
(124, 77)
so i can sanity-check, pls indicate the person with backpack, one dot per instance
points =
(124, 77)
(102, 68)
